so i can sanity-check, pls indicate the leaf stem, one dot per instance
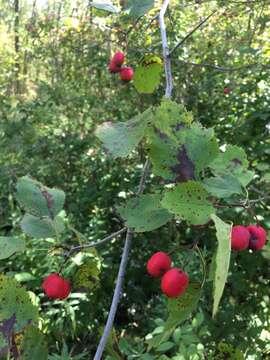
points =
(196, 247)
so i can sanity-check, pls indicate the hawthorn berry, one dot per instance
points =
(56, 287)
(174, 282)
(257, 238)
(158, 264)
(126, 73)
(118, 58)
(239, 238)
(227, 90)
(113, 67)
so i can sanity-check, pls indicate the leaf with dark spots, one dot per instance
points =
(237, 161)
(6, 330)
(185, 169)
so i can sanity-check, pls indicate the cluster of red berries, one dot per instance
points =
(56, 287)
(115, 66)
(252, 237)
(174, 281)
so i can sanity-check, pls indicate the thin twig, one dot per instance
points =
(116, 297)
(166, 51)
(203, 263)
(95, 244)
(191, 33)
(121, 274)
(221, 68)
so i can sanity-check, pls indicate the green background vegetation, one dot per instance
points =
(55, 89)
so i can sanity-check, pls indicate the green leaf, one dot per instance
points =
(234, 162)
(112, 345)
(38, 199)
(87, 274)
(24, 277)
(179, 310)
(178, 149)
(121, 138)
(137, 8)
(41, 228)
(147, 74)
(171, 118)
(266, 250)
(165, 142)
(188, 201)
(223, 186)
(165, 346)
(33, 345)
(4, 340)
(15, 306)
(10, 245)
(221, 260)
(168, 160)
(106, 6)
(144, 213)
(201, 145)
(266, 177)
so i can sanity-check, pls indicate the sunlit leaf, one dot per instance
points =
(105, 5)
(10, 245)
(221, 263)
(137, 8)
(144, 213)
(222, 186)
(121, 138)
(188, 201)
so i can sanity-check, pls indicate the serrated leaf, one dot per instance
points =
(41, 228)
(222, 186)
(38, 199)
(147, 77)
(188, 201)
(144, 213)
(106, 6)
(179, 310)
(137, 8)
(169, 160)
(171, 118)
(222, 259)
(121, 138)
(16, 308)
(87, 274)
(178, 149)
(201, 145)
(233, 161)
(10, 245)
(33, 345)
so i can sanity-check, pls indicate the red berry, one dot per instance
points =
(113, 68)
(257, 237)
(158, 264)
(126, 73)
(227, 90)
(56, 287)
(239, 238)
(174, 282)
(118, 58)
